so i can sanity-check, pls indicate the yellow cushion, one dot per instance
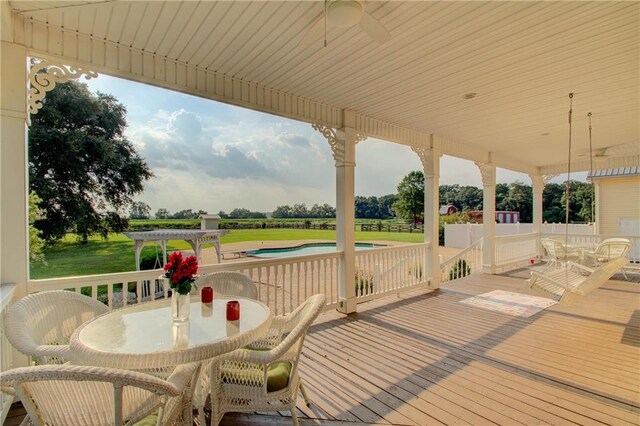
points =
(278, 376)
(150, 420)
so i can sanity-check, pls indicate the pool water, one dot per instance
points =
(301, 250)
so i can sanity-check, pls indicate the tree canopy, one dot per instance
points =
(410, 201)
(139, 210)
(81, 165)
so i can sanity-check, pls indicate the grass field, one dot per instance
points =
(70, 258)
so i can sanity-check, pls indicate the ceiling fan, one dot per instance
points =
(345, 14)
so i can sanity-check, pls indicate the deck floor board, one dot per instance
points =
(425, 358)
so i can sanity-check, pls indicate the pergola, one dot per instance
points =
(482, 81)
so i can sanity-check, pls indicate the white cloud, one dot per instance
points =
(212, 156)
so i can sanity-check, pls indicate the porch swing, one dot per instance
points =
(573, 280)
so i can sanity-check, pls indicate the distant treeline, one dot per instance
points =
(515, 196)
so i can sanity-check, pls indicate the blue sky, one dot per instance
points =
(212, 156)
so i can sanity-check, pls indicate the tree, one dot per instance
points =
(81, 165)
(410, 202)
(385, 206)
(322, 211)
(553, 209)
(245, 214)
(449, 195)
(184, 214)
(469, 198)
(519, 198)
(35, 242)
(162, 214)
(502, 190)
(139, 210)
(299, 210)
(282, 212)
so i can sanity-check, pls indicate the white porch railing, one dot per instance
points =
(512, 249)
(282, 283)
(6, 350)
(285, 283)
(467, 262)
(382, 271)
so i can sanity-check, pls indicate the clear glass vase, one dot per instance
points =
(180, 307)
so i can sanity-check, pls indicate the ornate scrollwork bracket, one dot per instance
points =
(547, 178)
(335, 137)
(540, 181)
(426, 158)
(487, 172)
(331, 135)
(44, 76)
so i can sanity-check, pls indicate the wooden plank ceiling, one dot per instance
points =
(521, 59)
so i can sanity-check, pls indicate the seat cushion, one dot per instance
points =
(278, 375)
(150, 420)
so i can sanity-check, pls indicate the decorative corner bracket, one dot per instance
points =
(44, 76)
(331, 135)
(540, 181)
(547, 178)
(487, 173)
(426, 158)
(361, 138)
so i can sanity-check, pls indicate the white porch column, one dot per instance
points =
(13, 159)
(343, 145)
(488, 173)
(430, 159)
(597, 223)
(537, 182)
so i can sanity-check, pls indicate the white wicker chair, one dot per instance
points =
(558, 252)
(264, 376)
(224, 283)
(79, 395)
(41, 324)
(228, 283)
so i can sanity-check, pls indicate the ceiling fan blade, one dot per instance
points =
(374, 28)
(315, 31)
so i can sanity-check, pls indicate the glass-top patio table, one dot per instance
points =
(144, 336)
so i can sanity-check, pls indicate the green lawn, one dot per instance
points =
(70, 258)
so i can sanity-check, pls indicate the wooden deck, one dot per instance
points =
(424, 358)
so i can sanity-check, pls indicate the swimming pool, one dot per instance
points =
(301, 250)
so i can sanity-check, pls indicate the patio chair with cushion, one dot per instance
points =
(558, 252)
(224, 283)
(79, 395)
(570, 283)
(41, 324)
(264, 376)
(229, 283)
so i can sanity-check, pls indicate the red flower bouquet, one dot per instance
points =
(181, 272)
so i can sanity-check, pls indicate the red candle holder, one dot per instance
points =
(233, 310)
(207, 294)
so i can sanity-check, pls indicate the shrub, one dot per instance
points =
(459, 269)
(150, 261)
(364, 283)
(415, 270)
